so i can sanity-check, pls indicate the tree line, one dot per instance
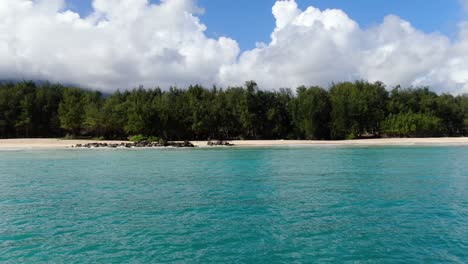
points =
(346, 110)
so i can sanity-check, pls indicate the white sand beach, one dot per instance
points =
(62, 144)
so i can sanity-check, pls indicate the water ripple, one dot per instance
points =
(266, 205)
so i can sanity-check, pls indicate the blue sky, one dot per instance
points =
(251, 21)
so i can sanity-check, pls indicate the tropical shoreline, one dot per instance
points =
(50, 143)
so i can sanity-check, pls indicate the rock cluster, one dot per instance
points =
(219, 143)
(142, 144)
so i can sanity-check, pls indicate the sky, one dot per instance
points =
(120, 44)
(251, 21)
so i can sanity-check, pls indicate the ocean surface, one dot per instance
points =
(249, 205)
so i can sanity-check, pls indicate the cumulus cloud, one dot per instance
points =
(124, 43)
(318, 47)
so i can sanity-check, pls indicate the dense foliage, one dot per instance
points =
(346, 110)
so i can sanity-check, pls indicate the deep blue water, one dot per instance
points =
(259, 205)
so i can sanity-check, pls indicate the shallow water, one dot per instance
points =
(258, 205)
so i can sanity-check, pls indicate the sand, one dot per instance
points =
(62, 144)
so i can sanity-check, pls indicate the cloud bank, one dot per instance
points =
(125, 43)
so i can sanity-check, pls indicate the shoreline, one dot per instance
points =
(50, 143)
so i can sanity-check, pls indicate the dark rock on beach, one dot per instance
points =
(214, 143)
(142, 144)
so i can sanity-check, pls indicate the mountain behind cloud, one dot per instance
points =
(126, 43)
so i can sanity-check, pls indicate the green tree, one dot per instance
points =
(71, 111)
(357, 108)
(47, 101)
(347, 110)
(114, 115)
(311, 113)
(412, 125)
(25, 119)
(93, 121)
(450, 112)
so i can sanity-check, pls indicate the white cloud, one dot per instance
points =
(124, 43)
(317, 47)
(310, 47)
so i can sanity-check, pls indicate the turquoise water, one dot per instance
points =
(263, 205)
